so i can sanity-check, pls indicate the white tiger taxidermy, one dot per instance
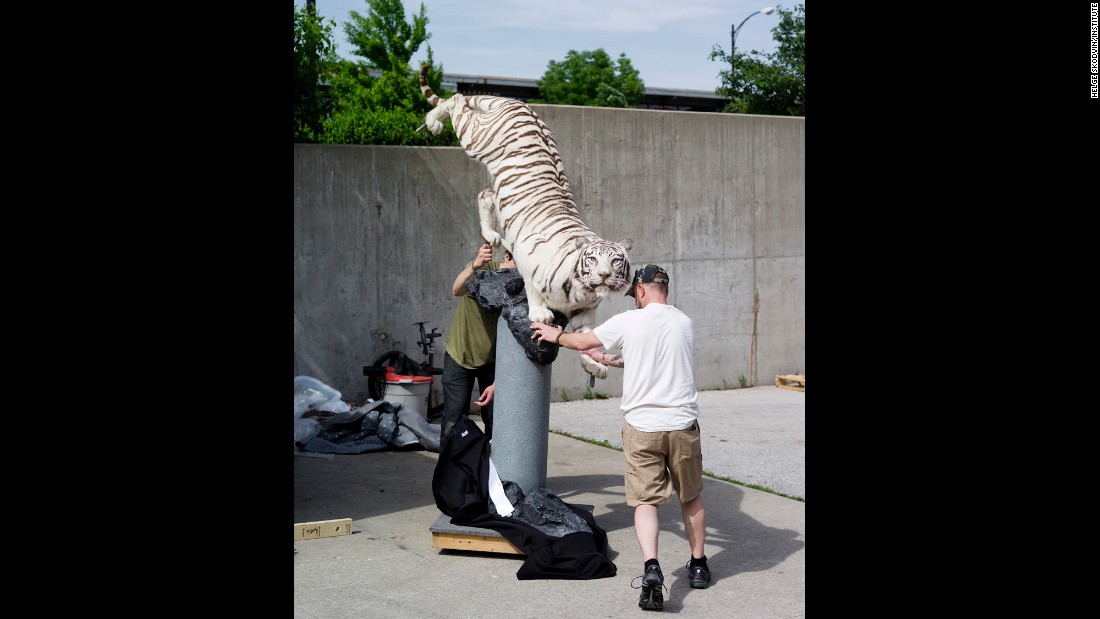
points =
(530, 211)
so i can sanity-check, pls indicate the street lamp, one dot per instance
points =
(768, 10)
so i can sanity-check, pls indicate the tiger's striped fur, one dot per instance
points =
(530, 211)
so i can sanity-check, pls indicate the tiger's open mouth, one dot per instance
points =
(603, 290)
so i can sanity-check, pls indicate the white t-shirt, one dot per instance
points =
(658, 346)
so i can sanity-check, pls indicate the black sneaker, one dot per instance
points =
(699, 576)
(652, 596)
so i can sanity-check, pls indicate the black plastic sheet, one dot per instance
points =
(373, 427)
(543, 510)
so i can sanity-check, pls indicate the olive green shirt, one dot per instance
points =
(471, 340)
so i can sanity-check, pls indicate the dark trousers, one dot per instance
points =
(458, 388)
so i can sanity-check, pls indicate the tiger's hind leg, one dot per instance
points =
(582, 322)
(596, 369)
(487, 213)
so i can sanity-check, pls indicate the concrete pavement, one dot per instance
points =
(388, 567)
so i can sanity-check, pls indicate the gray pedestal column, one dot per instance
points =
(521, 414)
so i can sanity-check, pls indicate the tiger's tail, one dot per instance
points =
(428, 94)
(425, 88)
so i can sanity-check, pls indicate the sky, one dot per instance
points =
(668, 43)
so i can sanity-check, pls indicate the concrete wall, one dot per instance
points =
(380, 232)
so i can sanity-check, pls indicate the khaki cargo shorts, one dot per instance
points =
(659, 462)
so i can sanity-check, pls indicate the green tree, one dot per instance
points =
(314, 52)
(377, 110)
(591, 78)
(378, 100)
(772, 83)
(384, 38)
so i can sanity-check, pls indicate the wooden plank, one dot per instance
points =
(322, 528)
(480, 543)
(794, 382)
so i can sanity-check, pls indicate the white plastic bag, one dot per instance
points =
(310, 393)
(305, 429)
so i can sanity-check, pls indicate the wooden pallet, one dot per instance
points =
(480, 543)
(794, 382)
(459, 537)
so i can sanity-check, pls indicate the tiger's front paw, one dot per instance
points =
(595, 369)
(543, 314)
(491, 237)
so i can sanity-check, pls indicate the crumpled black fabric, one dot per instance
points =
(460, 485)
(460, 481)
(575, 556)
(501, 293)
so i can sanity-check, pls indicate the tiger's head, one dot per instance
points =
(603, 265)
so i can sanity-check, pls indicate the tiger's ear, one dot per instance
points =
(580, 242)
(627, 244)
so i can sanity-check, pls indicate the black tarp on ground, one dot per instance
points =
(373, 427)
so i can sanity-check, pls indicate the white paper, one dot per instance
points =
(496, 492)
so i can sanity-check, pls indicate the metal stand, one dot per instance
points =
(521, 414)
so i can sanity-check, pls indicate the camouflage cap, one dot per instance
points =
(648, 274)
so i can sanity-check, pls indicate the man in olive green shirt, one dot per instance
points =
(470, 348)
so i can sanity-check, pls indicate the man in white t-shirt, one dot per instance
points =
(660, 412)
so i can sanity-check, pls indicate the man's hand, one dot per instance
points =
(487, 395)
(599, 355)
(545, 333)
(484, 256)
(594, 352)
